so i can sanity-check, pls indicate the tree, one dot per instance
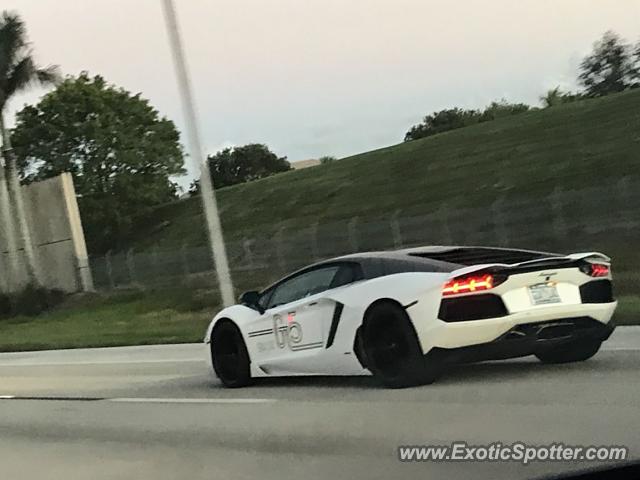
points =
(453, 118)
(119, 150)
(634, 69)
(555, 97)
(442, 121)
(18, 71)
(243, 164)
(502, 109)
(611, 67)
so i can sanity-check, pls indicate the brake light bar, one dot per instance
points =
(468, 284)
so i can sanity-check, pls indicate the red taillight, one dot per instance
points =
(599, 270)
(468, 284)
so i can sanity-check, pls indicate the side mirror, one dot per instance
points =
(251, 299)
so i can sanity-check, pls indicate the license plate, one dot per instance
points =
(543, 294)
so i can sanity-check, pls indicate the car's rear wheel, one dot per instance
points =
(230, 356)
(393, 353)
(569, 352)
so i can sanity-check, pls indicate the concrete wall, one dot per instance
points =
(58, 238)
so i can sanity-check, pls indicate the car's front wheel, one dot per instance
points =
(393, 352)
(570, 352)
(229, 355)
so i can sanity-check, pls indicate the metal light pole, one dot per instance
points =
(206, 188)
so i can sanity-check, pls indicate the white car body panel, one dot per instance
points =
(292, 339)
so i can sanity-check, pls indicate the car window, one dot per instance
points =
(303, 285)
(264, 298)
(348, 273)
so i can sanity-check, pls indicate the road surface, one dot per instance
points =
(155, 412)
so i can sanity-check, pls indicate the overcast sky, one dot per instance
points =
(325, 77)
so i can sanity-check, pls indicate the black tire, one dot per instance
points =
(569, 352)
(393, 353)
(229, 356)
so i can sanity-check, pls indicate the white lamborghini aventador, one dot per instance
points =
(404, 315)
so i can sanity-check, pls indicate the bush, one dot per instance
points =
(327, 159)
(556, 97)
(454, 118)
(30, 301)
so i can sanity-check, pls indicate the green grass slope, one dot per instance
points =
(589, 143)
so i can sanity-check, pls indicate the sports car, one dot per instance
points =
(405, 315)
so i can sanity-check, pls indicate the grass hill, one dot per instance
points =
(592, 143)
(589, 150)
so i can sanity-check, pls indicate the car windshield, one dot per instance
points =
(286, 239)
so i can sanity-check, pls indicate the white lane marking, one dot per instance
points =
(98, 362)
(191, 400)
(619, 349)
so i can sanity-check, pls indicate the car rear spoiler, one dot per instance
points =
(564, 261)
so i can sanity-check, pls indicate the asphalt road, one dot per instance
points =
(155, 412)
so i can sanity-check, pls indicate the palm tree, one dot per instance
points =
(18, 71)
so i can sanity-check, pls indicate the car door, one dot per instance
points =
(301, 314)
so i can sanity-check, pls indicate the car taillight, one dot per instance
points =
(596, 269)
(471, 283)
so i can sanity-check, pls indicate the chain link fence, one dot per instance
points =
(594, 219)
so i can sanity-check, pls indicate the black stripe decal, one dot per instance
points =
(334, 324)
(310, 344)
(258, 333)
(307, 346)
